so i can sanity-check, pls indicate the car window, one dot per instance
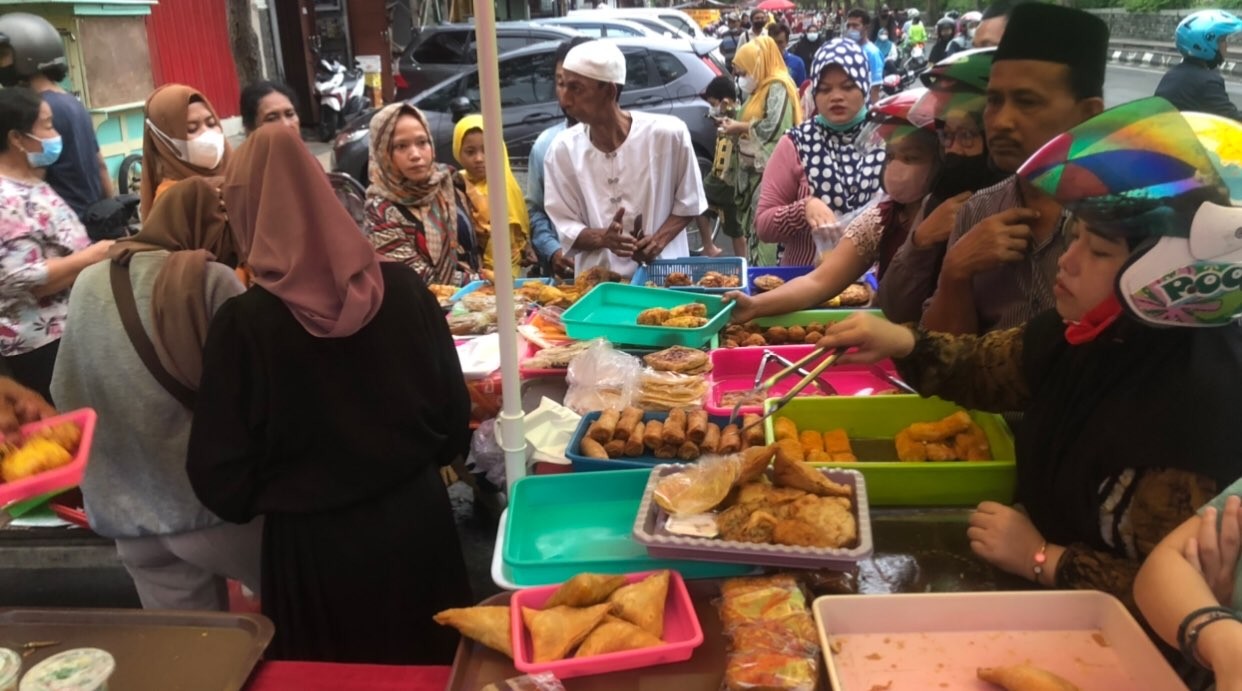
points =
(637, 71)
(615, 30)
(439, 99)
(677, 23)
(653, 25)
(592, 30)
(504, 44)
(442, 47)
(524, 81)
(668, 66)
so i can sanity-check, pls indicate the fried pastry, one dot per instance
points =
(745, 523)
(730, 440)
(755, 460)
(811, 441)
(908, 450)
(614, 636)
(678, 359)
(690, 309)
(629, 417)
(642, 603)
(1024, 678)
(817, 522)
(653, 317)
(711, 440)
(768, 282)
(856, 295)
(593, 449)
(798, 475)
(972, 445)
(686, 322)
(951, 426)
(785, 429)
(487, 625)
(556, 631)
(584, 590)
(675, 279)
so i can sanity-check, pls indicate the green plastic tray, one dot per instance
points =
(563, 525)
(807, 316)
(894, 483)
(611, 310)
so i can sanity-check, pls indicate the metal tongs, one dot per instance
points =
(797, 388)
(820, 383)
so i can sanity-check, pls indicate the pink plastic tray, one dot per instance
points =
(527, 350)
(734, 369)
(937, 641)
(61, 478)
(682, 634)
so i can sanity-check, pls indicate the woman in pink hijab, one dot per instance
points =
(331, 395)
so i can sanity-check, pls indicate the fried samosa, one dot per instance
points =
(642, 603)
(614, 636)
(487, 625)
(1024, 678)
(755, 460)
(555, 632)
(793, 473)
(584, 590)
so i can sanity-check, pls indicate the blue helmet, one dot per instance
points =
(1198, 34)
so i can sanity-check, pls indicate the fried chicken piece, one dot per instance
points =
(940, 430)
(1024, 678)
(653, 317)
(712, 279)
(793, 473)
(676, 278)
(685, 322)
(817, 522)
(690, 309)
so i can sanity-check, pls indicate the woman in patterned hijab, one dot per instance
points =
(817, 177)
(413, 210)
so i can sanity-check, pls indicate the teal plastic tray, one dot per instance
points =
(563, 525)
(611, 311)
(475, 285)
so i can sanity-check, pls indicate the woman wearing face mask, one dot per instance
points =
(770, 108)
(1106, 378)
(816, 173)
(954, 105)
(468, 150)
(183, 139)
(414, 213)
(911, 161)
(43, 246)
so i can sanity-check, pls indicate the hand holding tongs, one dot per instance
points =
(797, 388)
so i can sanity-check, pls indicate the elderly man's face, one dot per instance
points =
(582, 98)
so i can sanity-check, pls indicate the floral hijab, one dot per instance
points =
(388, 182)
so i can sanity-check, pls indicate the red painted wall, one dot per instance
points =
(189, 42)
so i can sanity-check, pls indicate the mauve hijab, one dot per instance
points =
(297, 239)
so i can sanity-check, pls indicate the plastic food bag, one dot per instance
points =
(486, 456)
(601, 378)
(829, 236)
(700, 487)
(544, 681)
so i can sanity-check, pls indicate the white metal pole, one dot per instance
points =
(512, 430)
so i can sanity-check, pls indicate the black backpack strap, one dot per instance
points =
(123, 293)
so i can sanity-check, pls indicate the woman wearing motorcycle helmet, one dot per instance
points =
(183, 139)
(911, 160)
(966, 26)
(946, 29)
(1196, 83)
(1129, 425)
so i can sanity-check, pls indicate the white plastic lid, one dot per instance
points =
(80, 669)
(10, 669)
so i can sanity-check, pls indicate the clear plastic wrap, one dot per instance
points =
(601, 378)
(773, 643)
(829, 236)
(700, 487)
(544, 681)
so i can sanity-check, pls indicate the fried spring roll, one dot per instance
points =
(696, 425)
(811, 441)
(653, 434)
(688, 451)
(711, 440)
(754, 431)
(666, 452)
(592, 449)
(785, 429)
(629, 417)
(615, 448)
(675, 427)
(837, 442)
(634, 443)
(730, 440)
(603, 429)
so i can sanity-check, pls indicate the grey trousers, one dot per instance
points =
(189, 570)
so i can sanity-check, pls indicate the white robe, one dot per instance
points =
(654, 172)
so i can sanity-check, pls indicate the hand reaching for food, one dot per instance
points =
(1007, 539)
(874, 338)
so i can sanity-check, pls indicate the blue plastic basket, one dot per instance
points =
(475, 285)
(587, 464)
(785, 273)
(658, 271)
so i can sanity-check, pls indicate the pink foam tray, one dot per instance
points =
(734, 369)
(62, 478)
(682, 634)
(922, 642)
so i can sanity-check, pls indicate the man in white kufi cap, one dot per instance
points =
(601, 174)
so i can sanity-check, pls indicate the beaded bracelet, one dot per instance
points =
(1190, 628)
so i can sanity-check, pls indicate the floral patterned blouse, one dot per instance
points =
(35, 225)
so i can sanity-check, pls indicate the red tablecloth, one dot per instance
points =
(321, 676)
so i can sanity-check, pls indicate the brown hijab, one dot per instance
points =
(388, 182)
(189, 221)
(167, 108)
(297, 238)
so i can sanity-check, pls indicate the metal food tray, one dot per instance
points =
(649, 530)
(155, 650)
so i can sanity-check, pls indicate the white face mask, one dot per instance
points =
(205, 151)
(907, 183)
(747, 84)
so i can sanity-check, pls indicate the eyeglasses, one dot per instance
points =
(965, 138)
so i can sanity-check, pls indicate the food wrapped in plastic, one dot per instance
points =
(743, 603)
(544, 681)
(698, 488)
(771, 671)
(601, 378)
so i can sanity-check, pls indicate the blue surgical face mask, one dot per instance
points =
(50, 153)
(854, 122)
(854, 35)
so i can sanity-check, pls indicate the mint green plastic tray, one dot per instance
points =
(563, 525)
(611, 310)
(894, 483)
(807, 316)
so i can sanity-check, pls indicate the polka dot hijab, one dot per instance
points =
(837, 172)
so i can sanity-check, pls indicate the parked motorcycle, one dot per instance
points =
(340, 93)
(898, 78)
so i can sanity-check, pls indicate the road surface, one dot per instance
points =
(1124, 83)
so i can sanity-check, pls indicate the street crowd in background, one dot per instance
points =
(277, 389)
